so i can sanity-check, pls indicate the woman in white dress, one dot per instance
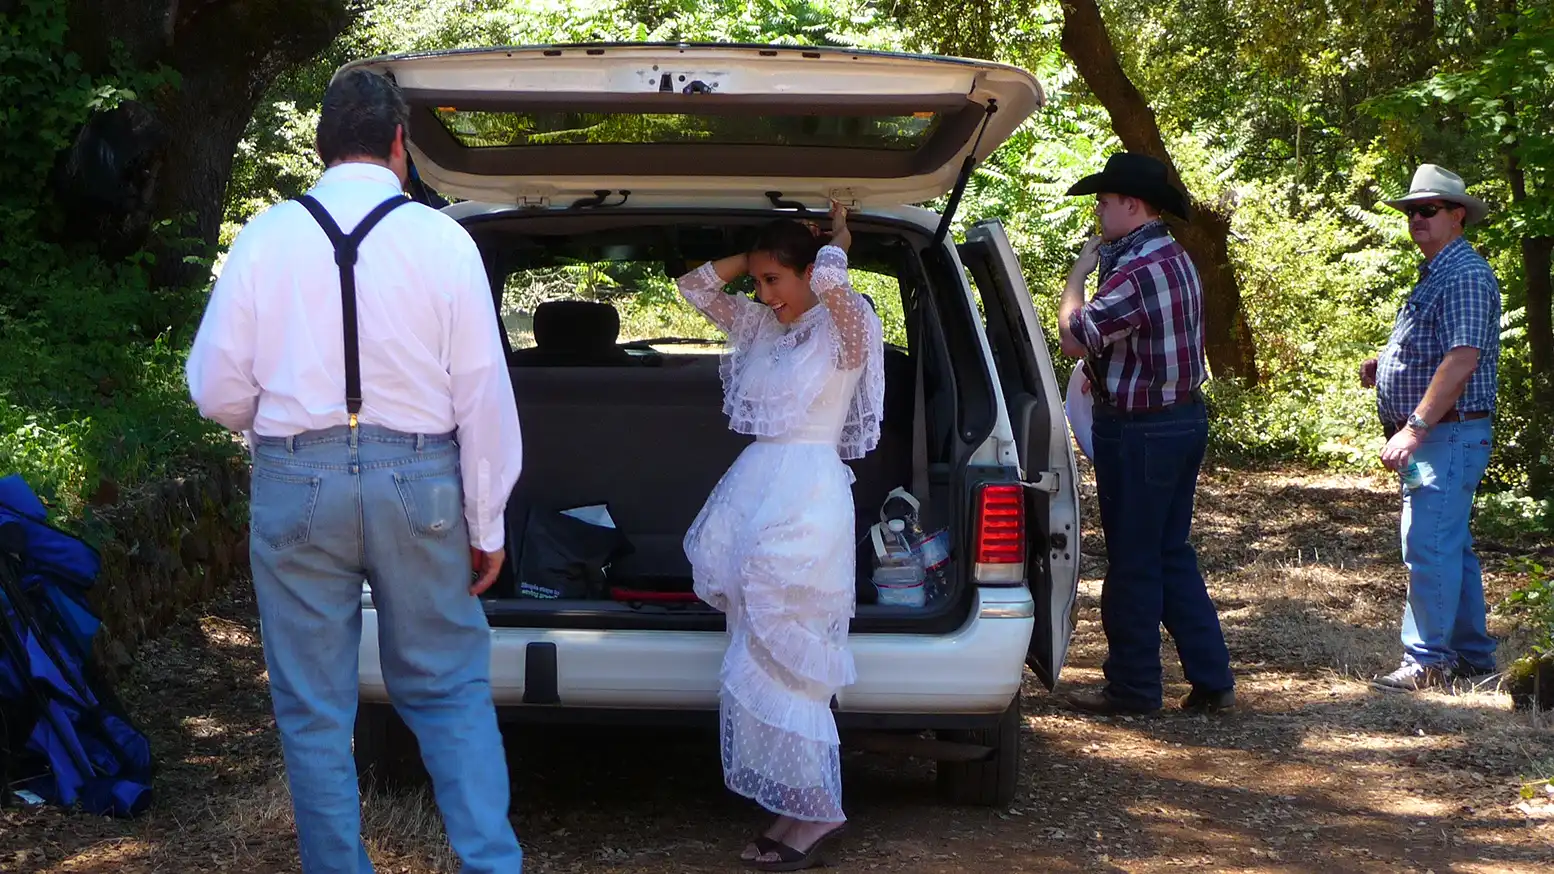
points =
(773, 547)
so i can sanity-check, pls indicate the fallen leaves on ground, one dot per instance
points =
(1316, 772)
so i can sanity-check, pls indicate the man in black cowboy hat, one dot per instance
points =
(1141, 338)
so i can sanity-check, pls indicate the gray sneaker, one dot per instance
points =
(1412, 677)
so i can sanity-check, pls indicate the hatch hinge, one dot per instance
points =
(845, 196)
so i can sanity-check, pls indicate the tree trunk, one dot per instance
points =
(1416, 42)
(1537, 255)
(225, 54)
(1537, 264)
(1227, 336)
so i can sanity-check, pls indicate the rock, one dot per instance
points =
(167, 547)
(1530, 681)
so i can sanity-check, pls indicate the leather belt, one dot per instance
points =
(1194, 396)
(1452, 415)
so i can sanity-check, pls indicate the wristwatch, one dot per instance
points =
(1418, 424)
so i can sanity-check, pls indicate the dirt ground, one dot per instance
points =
(1317, 772)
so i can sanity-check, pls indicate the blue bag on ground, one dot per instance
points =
(63, 735)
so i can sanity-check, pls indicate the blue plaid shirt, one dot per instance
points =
(1456, 303)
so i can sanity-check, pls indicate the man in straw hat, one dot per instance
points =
(1435, 393)
(1141, 338)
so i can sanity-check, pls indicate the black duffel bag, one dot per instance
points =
(567, 558)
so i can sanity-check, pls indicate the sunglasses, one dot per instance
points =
(1423, 210)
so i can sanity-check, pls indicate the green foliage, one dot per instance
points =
(1295, 120)
(274, 162)
(91, 383)
(1320, 292)
(1502, 96)
(650, 305)
(1515, 518)
(1491, 107)
(48, 97)
(1532, 604)
(1272, 83)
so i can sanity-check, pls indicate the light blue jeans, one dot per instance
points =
(328, 511)
(1444, 620)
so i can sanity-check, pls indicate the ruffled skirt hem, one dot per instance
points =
(785, 773)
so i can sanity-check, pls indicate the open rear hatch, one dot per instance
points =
(711, 124)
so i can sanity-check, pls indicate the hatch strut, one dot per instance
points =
(599, 198)
(964, 177)
(777, 201)
(418, 189)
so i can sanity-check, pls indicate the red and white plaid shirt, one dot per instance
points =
(1144, 327)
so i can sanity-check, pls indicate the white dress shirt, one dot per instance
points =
(269, 356)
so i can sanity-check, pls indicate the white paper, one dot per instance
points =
(1077, 406)
(28, 798)
(593, 514)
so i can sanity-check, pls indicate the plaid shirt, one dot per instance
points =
(1144, 327)
(1456, 303)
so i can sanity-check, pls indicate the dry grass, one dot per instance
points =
(1317, 773)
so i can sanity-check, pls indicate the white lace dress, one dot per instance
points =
(773, 547)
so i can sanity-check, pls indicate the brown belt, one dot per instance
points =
(1452, 415)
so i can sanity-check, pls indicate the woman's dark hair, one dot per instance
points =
(792, 243)
(360, 111)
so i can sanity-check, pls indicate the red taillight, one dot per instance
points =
(1001, 525)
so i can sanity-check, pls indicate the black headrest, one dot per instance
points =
(574, 325)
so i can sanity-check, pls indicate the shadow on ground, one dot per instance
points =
(1317, 771)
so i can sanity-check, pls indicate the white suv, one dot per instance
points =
(667, 155)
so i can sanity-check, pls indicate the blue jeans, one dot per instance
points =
(1146, 474)
(1444, 619)
(328, 511)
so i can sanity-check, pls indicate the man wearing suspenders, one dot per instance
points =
(367, 369)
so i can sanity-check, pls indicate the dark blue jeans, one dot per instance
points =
(1146, 473)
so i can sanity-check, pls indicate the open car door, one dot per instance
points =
(1030, 390)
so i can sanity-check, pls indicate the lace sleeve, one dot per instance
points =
(703, 289)
(855, 325)
(858, 343)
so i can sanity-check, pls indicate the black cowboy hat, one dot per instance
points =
(1136, 175)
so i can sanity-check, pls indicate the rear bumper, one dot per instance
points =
(976, 669)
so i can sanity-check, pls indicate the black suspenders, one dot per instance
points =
(345, 257)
